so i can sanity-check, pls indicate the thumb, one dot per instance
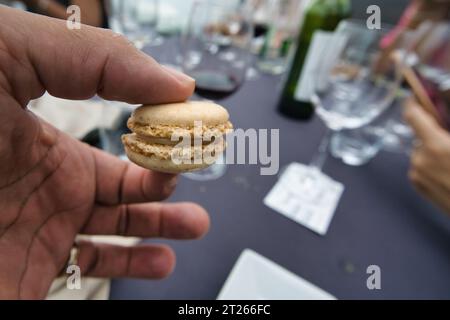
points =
(77, 64)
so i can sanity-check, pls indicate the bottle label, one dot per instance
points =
(314, 58)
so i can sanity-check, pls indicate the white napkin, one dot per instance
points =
(76, 118)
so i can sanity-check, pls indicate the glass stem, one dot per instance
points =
(321, 155)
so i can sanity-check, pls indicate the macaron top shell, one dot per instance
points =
(181, 114)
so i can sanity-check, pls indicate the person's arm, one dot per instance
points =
(430, 161)
(91, 12)
(49, 8)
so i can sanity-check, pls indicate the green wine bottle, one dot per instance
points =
(320, 15)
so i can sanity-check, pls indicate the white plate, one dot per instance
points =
(255, 277)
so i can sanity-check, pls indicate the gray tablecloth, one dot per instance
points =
(380, 220)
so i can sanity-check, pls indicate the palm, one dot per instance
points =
(51, 209)
(64, 189)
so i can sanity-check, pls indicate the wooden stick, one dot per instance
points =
(417, 87)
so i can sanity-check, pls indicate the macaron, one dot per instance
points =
(178, 137)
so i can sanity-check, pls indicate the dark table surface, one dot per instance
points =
(380, 221)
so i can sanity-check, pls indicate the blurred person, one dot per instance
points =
(430, 161)
(416, 14)
(93, 12)
(53, 187)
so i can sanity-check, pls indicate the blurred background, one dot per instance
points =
(333, 77)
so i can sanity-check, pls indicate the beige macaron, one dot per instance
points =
(177, 137)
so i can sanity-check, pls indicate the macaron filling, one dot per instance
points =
(168, 152)
(168, 131)
(170, 142)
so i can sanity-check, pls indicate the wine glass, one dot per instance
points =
(388, 132)
(215, 48)
(113, 125)
(215, 51)
(282, 23)
(349, 89)
(138, 20)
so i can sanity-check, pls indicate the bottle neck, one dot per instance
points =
(339, 5)
(338, 9)
(326, 2)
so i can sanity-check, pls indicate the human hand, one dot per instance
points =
(53, 187)
(430, 161)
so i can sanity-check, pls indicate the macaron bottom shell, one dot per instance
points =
(163, 165)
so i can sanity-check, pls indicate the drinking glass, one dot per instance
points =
(279, 39)
(114, 124)
(427, 55)
(348, 90)
(215, 51)
(398, 136)
(356, 147)
(138, 20)
(215, 47)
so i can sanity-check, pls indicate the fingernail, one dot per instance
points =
(179, 75)
(171, 185)
(162, 264)
(173, 182)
